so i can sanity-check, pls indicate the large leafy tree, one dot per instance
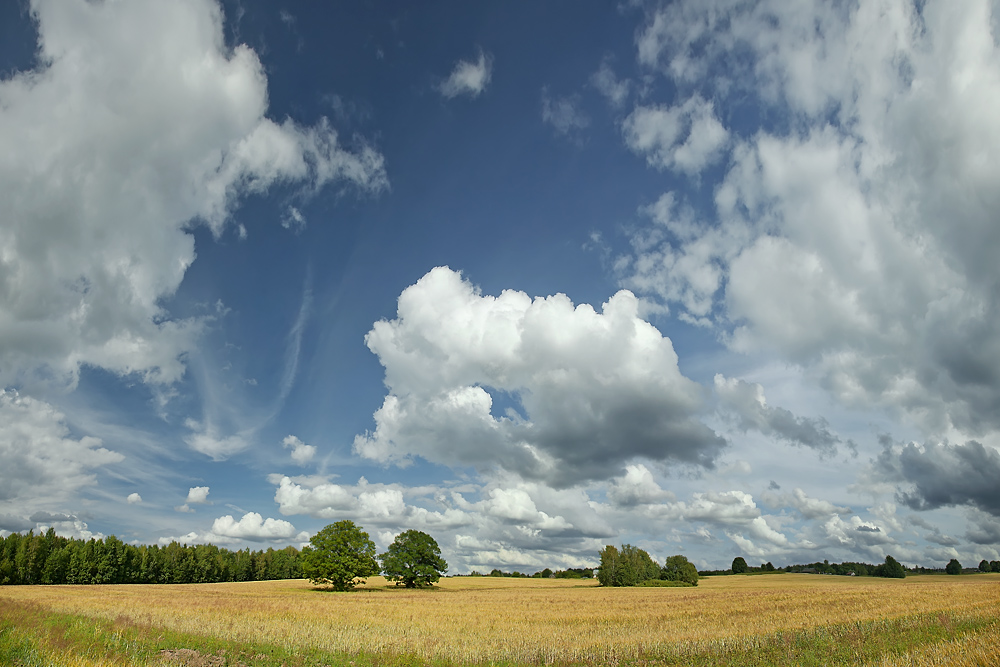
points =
(891, 568)
(679, 568)
(413, 559)
(740, 565)
(953, 567)
(628, 567)
(338, 555)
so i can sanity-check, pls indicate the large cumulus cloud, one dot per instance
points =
(854, 231)
(589, 390)
(137, 122)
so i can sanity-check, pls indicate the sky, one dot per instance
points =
(709, 277)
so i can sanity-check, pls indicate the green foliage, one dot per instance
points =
(740, 565)
(664, 583)
(953, 567)
(679, 568)
(627, 567)
(995, 565)
(338, 555)
(50, 559)
(632, 566)
(984, 566)
(413, 559)
(891, 569)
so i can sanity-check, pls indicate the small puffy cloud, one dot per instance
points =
(747, 403)
(563, 113)
(133, 499)
(592, 389)
(43, 463)
(254, 528)
(301, 452)
(468, 78)
(687, 137)
(197, 495)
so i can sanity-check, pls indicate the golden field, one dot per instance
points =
(487, 620)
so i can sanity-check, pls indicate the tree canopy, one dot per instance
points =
(628, 567)
(338, 555)
(413, 559)
(740, 565)
(679, 568)
(953, 567)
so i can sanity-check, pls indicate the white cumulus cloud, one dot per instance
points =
(686, 137)
(301, 452)
(137, 122)
(588, 390)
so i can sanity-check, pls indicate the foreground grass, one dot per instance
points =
(784, 619)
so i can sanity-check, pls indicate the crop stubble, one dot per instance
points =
(487, 619)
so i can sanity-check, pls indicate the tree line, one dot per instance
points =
(51, 559)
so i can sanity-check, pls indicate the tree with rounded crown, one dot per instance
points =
(984, 565)
(892, 569)
(413, 559)
(953, 567)
(679, 568)
(338, 555)
(740, 565)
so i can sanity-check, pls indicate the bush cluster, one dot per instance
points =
(632, 566)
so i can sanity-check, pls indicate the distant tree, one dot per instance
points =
(740, 565)
(984, 566)
(628, 567)
(891, 569)
(608, 569)
(339, 554)
(995, 565)
(496, 572)
(679, 568)
(413, 559)
(953, 567)
(546, 573)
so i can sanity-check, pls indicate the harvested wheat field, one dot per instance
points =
(774, 619)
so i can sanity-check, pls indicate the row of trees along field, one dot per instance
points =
(890, 568)
(632, 566)
(50, 559)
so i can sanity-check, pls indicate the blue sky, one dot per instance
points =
(712, 278)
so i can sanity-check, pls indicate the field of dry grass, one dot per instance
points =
(484, 620)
